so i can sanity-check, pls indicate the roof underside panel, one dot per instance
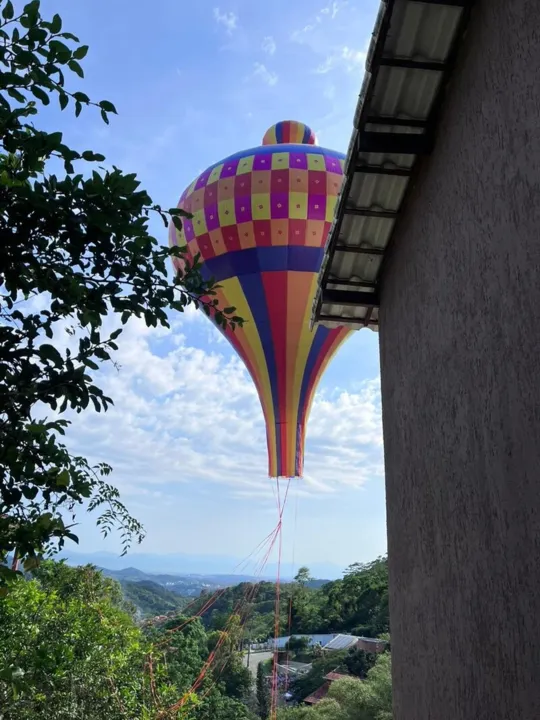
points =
(408, 64)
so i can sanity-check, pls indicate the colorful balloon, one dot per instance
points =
(260, 222)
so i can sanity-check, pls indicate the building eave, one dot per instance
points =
(409, 64)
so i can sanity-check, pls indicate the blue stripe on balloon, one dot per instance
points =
(271, 149)
(253, 289)
(321, 335)
(251, 261)
(279, 132)
(307, 134)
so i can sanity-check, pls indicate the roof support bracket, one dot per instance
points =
(345, 297)
(398, 143)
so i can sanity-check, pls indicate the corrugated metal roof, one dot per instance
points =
(408, 64)
(342, 642)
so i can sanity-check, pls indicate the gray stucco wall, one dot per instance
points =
(460, 368)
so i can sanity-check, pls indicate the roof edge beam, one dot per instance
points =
(451, 3)
(354, 299)
(351, 283)
(407, 64)
(339, 320)
(397, 122)
(395, 143)
(379, 170)
(368, 212)
(359, 250)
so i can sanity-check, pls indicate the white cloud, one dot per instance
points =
(186, 415)
(332, 9)
(269, 45)
(267, 76)
(345, 58)
(228, 19)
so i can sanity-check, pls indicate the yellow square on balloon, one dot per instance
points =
(260, 206)
(245, 165)
(227, 215)
(215, 174)
(280, 161)
(330, 207)
(315, 162)
(199, 223)
(298, 203)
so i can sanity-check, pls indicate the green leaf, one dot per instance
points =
(8, 11)
(49, 352)
(78, 108)
(56, 24)
(107, 106)
(38, 92)
(104, 116)
(74, 66)
(63, 99)
(80, 52)
(63, 478)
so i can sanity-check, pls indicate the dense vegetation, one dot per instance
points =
(70, 648)
(356, 604)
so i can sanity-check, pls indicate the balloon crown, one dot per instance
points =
(289, 132)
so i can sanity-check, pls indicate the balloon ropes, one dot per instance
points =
(260, 220)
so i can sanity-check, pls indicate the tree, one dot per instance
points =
(303, 576)
(75, 250)
(68, 650)
(298, 644)
(263, 693)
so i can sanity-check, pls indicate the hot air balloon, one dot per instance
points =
(260, 222)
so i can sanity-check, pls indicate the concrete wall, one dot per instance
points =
(460, 357)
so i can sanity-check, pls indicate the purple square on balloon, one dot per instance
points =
(298, 161)
(242, 208)
(316, 207)
(202, 180)
(229, 168)
(212, 217)
(262, 162)
(279, 205)
(332, 164)
(188, 229)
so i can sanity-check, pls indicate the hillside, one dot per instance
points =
(152, 599)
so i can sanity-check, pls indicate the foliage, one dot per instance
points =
(76, 251)
(67, 650)
(359, 602)
(263, 693)
(298, 644)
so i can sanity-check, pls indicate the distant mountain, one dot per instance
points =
(208, 566)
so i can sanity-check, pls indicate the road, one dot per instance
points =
(255, 659)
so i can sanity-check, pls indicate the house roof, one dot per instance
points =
(409, 62)
(342, 642)
(318, 695)
(336, 676)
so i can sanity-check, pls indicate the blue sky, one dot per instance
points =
(193, 83)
